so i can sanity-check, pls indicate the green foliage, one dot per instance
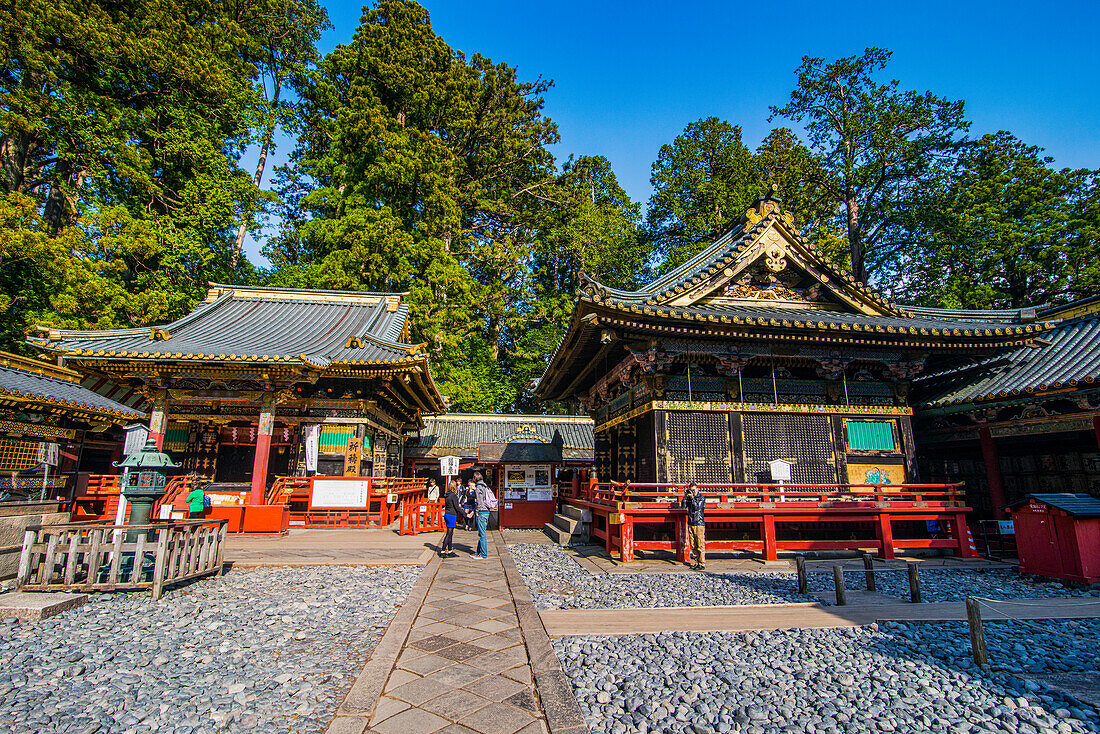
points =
(123, 124)
(873, 148)
(999, 231)
(702, 183)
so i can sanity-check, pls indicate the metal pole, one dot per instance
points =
(800, 567)
(844, 377)
(689, 382)
(775, 390)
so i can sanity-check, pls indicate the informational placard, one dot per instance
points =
(540, 494)
(136, 436)
(313, 444)
(1006, 527)
(448, 466)
(351, 457)
(340, 492)
(780, 470)
(527, 482)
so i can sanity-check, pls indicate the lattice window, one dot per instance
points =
(805, 439)
(698, 447)
(17, 455)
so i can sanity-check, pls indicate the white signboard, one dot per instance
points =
(340, 492)
(313, 445)
(448, 466)
(539, 494)
(781, 470)
(136, 436)
(49, 454)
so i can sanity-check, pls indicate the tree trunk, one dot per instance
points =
(269, 134)
(59, 210)
(855, 241)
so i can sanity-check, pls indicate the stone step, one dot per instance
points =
(569, 524)
(578, 513)
(565, 537)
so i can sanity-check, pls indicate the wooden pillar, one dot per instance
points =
(626, 535)
(885, 536)
(964, 549)
(682, 554)
(158, 419)
(771, 553)
(993, 473)
(263, 449)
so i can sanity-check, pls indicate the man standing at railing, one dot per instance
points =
(696, 505)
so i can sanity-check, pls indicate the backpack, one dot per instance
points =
(206, 502)
(490, 498)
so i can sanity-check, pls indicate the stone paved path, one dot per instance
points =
(464, 667)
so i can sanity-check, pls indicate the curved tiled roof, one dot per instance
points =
(462, 432)
(1070, 359)
(315, 328)
(56, 387)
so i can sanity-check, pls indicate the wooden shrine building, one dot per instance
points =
(760, 349)
(523, 457)
(46, 413)
(233, 385)
(1026, 422)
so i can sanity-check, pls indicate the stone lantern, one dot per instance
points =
(146, 481)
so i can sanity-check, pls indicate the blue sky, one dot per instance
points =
(630, 76)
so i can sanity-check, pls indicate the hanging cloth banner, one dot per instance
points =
(313, 443)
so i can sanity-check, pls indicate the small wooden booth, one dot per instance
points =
(524, 477)
(1058, 535)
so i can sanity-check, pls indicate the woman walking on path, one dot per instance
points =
(485, 501)
(451, 511)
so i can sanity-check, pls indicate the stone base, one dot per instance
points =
(33, 606)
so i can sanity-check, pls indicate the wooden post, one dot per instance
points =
(914, 582)
(838, 581)
(868, 565)
(221, 547)
(70, 561)
(160, 568)
(24, 574)
(964, 549)
(771, 553)
(800, 568)
(626, 552)
(993, 473)
(263, 449)
(681, 538)
(885, 536)
(977, 634)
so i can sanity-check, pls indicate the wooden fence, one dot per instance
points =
(97, 557)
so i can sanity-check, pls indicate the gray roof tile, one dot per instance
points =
(460, 433)
(61, 392)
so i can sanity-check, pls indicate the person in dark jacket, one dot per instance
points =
(451, 510)
(696, 505)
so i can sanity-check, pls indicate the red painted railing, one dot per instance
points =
(612, 494)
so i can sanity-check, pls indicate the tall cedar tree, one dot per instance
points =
(998, 230)
(121, 126)
(591, 230)
(874, 147)
(419, 170)
(702, 183)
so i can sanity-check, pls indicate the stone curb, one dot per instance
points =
(563, 713)
(353, 715)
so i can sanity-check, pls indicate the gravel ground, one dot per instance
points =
(902, 678)
(949, 584)
(556, 581)
(265, 649)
